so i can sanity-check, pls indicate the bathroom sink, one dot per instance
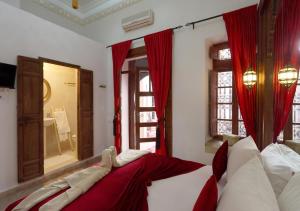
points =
(48, 121)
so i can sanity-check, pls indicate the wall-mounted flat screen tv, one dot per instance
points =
(7, 75)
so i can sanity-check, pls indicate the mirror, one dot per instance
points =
(47, 90)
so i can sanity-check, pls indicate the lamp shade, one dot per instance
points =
(249, 78)
(288, 75)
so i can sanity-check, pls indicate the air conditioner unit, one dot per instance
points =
(138, 20)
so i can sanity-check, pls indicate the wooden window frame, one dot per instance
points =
(221, 66)
(138, 109)
(133, 78)
(288, 129)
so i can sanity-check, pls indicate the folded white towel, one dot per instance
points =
(63, 127)
(125, 157)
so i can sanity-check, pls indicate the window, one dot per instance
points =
(225, 117)
(143, 120)
(146, 120)
(292, 128)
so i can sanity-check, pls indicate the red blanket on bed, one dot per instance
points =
(125, 188)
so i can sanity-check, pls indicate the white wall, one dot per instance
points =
(24, 34)
(40, 11)
(190, 61)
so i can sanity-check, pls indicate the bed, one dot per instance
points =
(241, 178)
(125, 188)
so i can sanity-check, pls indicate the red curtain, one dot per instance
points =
(119, 53)
(241, 28)
(287, 51)
(159, 53)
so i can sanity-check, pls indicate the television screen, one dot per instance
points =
(7, 75)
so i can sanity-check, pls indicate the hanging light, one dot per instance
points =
(288, 75)
(75, 4)
(249, 78)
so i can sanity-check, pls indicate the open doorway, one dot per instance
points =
(31, 116)
(60, 93)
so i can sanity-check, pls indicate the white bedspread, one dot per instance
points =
(178, 193)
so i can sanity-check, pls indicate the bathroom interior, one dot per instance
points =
(60, 89)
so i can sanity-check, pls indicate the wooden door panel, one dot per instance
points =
(86, 131)
(31, 105)
(32, 137)
(85, 115)
(86, 99)
(30, 119)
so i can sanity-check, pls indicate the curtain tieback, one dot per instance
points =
(115, 122)
(162, 120)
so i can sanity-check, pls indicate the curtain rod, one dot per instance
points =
(177, 27)
(202, 20)
(188, 24)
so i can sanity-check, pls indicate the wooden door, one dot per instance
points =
(85, 114)
(30, 118)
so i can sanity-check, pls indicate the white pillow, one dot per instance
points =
(280, 163)
(248, 190)
(289, 199)
(241, 152)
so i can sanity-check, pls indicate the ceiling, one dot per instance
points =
(89, 10)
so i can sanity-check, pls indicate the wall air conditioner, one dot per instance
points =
(138, 20)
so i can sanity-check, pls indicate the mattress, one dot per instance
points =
(180, 192)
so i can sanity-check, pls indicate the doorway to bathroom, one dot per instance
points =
(36, 115)
(60, 93)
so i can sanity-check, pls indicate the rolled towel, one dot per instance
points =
(114, 156)
(125, 157)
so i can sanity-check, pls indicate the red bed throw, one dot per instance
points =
(125, 188)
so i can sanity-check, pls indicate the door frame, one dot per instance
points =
(39, 169)
(64, 64)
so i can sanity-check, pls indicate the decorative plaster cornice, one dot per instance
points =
(88, 13)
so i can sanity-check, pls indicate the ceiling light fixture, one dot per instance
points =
(75, 4)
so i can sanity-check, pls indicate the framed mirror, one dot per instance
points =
(47, 90)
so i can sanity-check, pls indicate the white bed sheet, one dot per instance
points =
(178, 193)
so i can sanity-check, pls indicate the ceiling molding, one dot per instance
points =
(88, 12)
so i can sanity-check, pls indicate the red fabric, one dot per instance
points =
(125, 188)
(241, 28)
(159, 55)
(119, 53)
(219, 164)
(208, 198)
(287, 42)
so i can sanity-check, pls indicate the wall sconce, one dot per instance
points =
(287, 76)
(249, 78)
